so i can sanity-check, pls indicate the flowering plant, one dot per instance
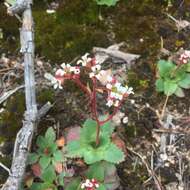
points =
(94, 145)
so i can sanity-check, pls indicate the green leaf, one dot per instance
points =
(41, 186)
(179, 92)
(50, 136)
(11, 2)
(165, 68)
(169, 87)
(88, 132)
(188, 67)
(93, 155)
(52, 148)
(32, 158)
(96, 171)
(44, 161)
(58, 156)
(74, 150)
(107, 2)
(42, 143)
(61, 178)
(101, 187)
(107, 129)
(159, 85)
(74, 185)
(185, 83)
(49, 174)
(114, 155)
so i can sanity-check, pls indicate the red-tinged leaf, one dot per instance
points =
(58, 167)
(73, 134)
(119, 142)
(36, 169)
(60, 142)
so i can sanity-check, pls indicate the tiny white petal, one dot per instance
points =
(125, 120)
(109, 86)
(91, 75)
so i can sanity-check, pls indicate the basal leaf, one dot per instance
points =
(32, 158)
(165, 68)
(49, 174)
(61, 178)
(188, 67)
(101, 187)
(41, 186)
(74, 150)
(179, 92)
(185, 83)
(93, 155)
(58, 156)
(44, 161)
(96, 171)
(50, 136)
(169, 87)
(42, 143)
(74, 185)
(107, 129)
(107, 2)
(113, 154)
(88, 132)
(159, 85)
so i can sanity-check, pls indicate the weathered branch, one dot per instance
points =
(31, 116)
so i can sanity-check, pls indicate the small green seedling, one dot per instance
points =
(46, 160)
(173, 78)
(107, 2)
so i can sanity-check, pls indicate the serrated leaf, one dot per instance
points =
(88, 132)
(107, 2)
(96, 171)
(188, 67)
(41, 142)
(93, 155)
(58, 156)
(50, 136)
(61, 178)
(101, 187)
(107, 129)
(159, 85)
(49, 174)
(114, 155)
(169, 87)
(41, 186)
(179, 92)
(185, 83)
(73, 185)
(44, 161)
(165, 68)
(32, 158)
(74, 150)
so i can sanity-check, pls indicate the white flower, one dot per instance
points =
(117, 85)
(109, 79)
(109, 86)
(50, 11)
(109, 103)
(96, 68)
(60, 72)
(63, 65)
(77, 71)
(125, 120)
(91, 75)
(129, 90)
(116, 104)
(84, 60)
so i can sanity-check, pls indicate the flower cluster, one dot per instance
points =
(116, 91)
(90, 184)
(184, 57)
